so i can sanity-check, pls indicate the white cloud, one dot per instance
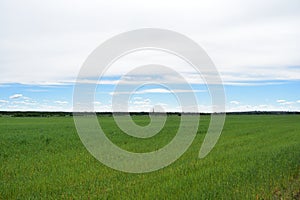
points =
(284, 102)
(26, 102)
(3, 101)
(254, 41)
(162, 90)
(262, 107)
(36, 107)
(235, 102)
(97, 103)
(103, 108)
(157, 90)
(154, 90)
(36, 90)
(61, 102)
(298, 101)
(281, 101)
(287, 103)
(142, 102)
(16, 96)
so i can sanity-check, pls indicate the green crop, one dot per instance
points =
(256, 157)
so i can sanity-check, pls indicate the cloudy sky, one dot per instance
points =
(254, 45)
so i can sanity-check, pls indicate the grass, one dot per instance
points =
(256, 157)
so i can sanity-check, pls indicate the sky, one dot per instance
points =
(253, 44)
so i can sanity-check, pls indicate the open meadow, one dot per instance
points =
(256, 157)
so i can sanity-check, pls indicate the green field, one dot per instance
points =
(256, 157)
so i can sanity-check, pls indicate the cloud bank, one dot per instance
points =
(45, 42)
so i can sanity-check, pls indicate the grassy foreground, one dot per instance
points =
(256, 157)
